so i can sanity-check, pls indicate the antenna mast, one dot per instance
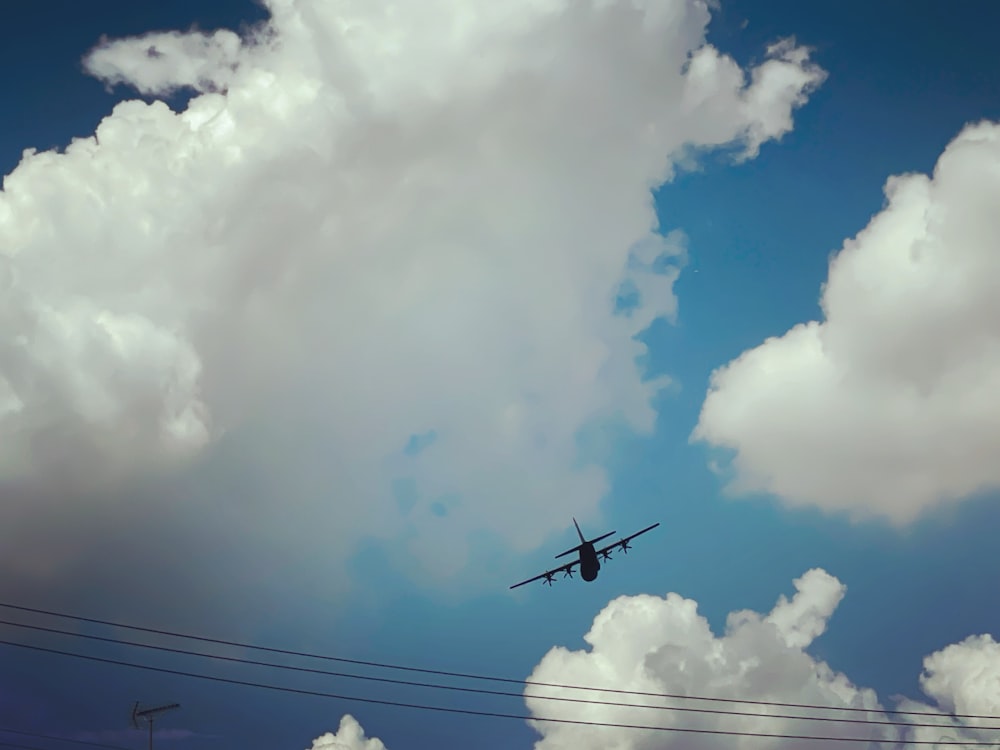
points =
(148, 714)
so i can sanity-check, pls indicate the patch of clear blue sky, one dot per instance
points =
(905, 76)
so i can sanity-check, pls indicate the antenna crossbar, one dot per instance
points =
(149, 714)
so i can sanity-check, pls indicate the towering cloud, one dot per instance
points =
(372, 221)
(888, 407)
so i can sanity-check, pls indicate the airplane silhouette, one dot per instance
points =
(589, 560)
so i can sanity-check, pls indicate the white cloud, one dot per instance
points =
(965, 678)
(888, 407)
(372, 221)
(162, 63)
(662, 645)
(350, 736)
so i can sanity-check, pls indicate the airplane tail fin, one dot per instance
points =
(583, 541)
(571, 550)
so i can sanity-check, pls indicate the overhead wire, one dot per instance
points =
(16, 746)
(482, 677)
(493, 714)
(72, 740)
(481, 691)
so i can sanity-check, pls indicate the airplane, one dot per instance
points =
(589, 560)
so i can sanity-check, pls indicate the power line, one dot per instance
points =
(492, 714)
(480, 691)
(468, 676)
(15, 746)
(37, 736)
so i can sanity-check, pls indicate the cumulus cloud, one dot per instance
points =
(964, 678)
(350, 736)
(165, 62)
(662, 645)
(888, 406)
(371, 221)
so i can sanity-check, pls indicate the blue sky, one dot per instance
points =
(903, 79)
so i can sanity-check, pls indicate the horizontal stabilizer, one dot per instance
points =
(570, 551)
(602, 536)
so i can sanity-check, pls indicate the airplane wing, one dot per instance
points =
(548, 575)
(624, 542)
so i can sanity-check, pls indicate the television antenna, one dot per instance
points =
(148, 714)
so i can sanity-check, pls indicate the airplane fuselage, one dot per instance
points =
(589, 564)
